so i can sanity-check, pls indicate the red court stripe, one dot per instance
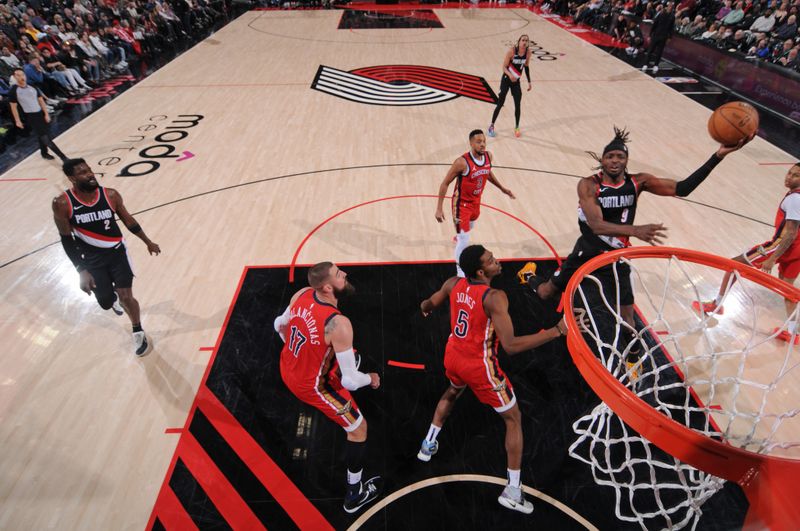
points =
(171, 512)
(207, 349)
(228, 502)
(419, 366)
(173, 430)
(286, 493)
(171, 468)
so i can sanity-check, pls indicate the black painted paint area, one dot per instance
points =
(388, 326)
(395, 19)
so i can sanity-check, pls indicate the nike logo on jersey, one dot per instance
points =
(603, 189)
(76, 207)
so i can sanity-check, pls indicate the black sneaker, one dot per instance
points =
(368, 491)
(534, 281)
(47, 156)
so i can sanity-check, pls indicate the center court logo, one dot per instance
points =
(401, 85)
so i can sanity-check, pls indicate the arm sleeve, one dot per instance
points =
(352, 379)
(282, 320)
(687, 186)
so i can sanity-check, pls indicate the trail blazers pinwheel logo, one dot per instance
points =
(401, 85)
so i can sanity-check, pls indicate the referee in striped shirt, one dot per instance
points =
(34, 111)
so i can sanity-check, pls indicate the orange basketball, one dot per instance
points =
(732, 122)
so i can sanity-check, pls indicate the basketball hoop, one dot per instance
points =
(687, 362)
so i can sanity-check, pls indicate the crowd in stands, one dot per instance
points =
(67, 47)
(760, 30)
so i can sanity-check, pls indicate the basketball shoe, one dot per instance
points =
(491, 131)
(514, 499)
(517, 132)
(362, 493)
(427, 450)
(708, 307)
(140, 344)
(527, 271)
(117, 307)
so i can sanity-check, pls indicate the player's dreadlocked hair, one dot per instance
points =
(619, 143)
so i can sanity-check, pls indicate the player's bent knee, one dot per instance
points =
(105, 301)
(359, 434)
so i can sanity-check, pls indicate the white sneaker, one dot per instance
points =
(140, 344)
(644, 68)
(117, 307)
(655, 69)
(513, 498)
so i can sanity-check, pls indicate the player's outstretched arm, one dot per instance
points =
(496, 305)
(438, 298)
(670, 187)
(339, 334)
(459, 166)
(129, 221)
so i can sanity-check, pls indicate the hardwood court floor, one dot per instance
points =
(83, 422)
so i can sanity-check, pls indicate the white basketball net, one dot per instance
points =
(728, 378)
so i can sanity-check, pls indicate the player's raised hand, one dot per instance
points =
(439, 215)
(652, 233)
(727, 150)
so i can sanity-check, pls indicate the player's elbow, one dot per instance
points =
(511, 346)
(349, 383)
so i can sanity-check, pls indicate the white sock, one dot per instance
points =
(353, 477)
(513, 478)
(791, 326)
(718, 299)
(432, 433)
(462, 242)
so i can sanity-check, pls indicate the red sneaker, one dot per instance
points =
(786, 336)
(708, 307)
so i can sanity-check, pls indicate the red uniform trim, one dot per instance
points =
(97, 236)
(86, 204)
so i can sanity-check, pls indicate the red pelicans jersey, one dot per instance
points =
(305, 358)
(472, 331)
(94, 223)
(470, 185)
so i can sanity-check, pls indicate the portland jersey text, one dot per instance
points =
(618, 204)
(94, 223)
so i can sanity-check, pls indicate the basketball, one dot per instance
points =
(732, 122)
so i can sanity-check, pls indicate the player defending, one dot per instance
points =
(479, 316)
(606, 211)
(471, 171)
(782, 249)
(93, 242)
(318, 341)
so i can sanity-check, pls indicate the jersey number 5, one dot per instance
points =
(296, 341)
(462, 325)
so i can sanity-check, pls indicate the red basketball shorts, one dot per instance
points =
(330, 398)
(788, 263)
(464, 212)
(481, 374)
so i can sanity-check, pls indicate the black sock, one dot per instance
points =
(354, 456)
(137, 328)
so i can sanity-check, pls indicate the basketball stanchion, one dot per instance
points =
(705, 398)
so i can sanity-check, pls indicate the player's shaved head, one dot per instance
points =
(319, 274)
(474, 133)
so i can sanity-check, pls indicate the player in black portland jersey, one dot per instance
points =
(515, 63)
(93, 242)
(606, 211)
